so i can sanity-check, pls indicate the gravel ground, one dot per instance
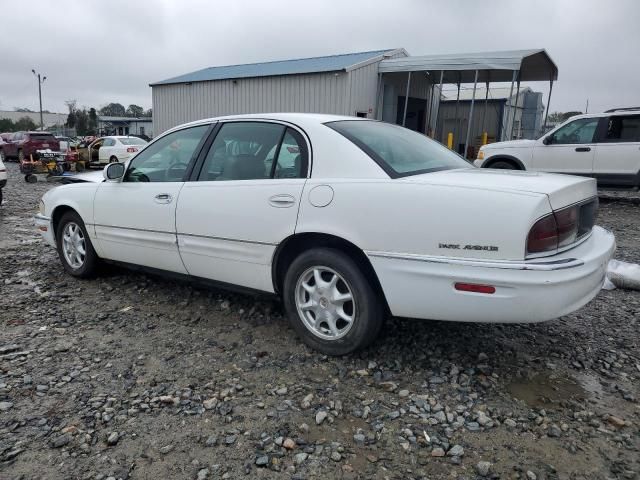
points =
(134, 376)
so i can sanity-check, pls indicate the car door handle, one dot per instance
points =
(163, 198)
(282, 201)
(583, 149)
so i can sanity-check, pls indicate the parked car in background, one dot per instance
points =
(346, 219)
(23, 144)
(119, 148)
(67, 143)
(3, 178)
(605, 146)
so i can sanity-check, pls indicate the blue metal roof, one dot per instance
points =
(330, 63)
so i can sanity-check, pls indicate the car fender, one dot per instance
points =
(498, 156)
(77, 196)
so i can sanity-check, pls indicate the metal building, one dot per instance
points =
(339, 84)
(385, 84)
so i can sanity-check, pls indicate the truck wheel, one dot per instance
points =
(330, 303)
(74, 247)
(503, 165)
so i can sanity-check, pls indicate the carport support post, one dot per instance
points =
(546, 114)
(508, 109)
(470, 121)
(377, 115)
(486, 100)
(515, 109)
(427, 107)
(455, 115)
(439, 99)
(406, 100)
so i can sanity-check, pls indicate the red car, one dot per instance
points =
(22, 144)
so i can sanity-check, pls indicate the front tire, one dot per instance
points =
(113, 159)
(74, 247)
(330, 303)
(503, 165)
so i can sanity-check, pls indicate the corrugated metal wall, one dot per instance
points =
(314, 93)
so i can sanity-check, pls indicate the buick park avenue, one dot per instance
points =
(347, 220)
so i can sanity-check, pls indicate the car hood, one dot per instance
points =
(510, 144)
(562, 190)
(69, 177)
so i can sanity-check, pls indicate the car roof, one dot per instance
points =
(606, 114)
(300, 119)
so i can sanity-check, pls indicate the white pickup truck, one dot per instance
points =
(605, 146)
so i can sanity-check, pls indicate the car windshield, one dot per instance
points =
(400, 152)
(132, 141)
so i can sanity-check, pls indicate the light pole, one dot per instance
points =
(40, 82)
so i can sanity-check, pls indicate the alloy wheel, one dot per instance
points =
(325, 302)
(73, 245)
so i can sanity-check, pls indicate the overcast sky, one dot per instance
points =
(101, 52)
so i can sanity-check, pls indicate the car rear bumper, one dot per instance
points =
(527, 291)
(43, 224)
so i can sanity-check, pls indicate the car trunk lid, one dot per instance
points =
(562, 190)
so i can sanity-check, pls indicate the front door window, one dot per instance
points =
(167, 159)
(576, 132)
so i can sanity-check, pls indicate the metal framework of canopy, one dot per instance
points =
(512, 66)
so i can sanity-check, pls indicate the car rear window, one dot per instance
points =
(132, 141)
(42, 137)
(400, 152)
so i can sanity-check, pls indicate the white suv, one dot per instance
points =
(605, 146)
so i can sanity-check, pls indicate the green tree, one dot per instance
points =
(135, 111)
(92, 124)
(25, 123)
(113, 110)
(6, 125)
(82, 122)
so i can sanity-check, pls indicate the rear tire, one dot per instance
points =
(0, 197)
(74, 247)
(113, 159)
(338, 313)
(503, 165)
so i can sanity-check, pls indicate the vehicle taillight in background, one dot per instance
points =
(562, 227)
(132, 150)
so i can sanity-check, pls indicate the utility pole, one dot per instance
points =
(40, 82)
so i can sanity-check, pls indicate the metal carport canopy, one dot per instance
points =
(533, 65)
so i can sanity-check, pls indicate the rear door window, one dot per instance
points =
(246, 151)
(623, 128)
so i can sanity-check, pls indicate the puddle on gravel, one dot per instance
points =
(545, 389)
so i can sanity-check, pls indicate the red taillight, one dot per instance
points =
(132, 150)
(475, 288)
(553, 231)
(543, 236)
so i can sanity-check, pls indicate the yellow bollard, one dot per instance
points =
(484, 138)
(450, 140)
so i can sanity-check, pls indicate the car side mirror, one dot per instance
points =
(548, 140)
(113, 171)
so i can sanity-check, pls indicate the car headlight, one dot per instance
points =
(480, 155)
(41, 208)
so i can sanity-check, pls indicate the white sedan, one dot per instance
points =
(119, 148)
(348, 220)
